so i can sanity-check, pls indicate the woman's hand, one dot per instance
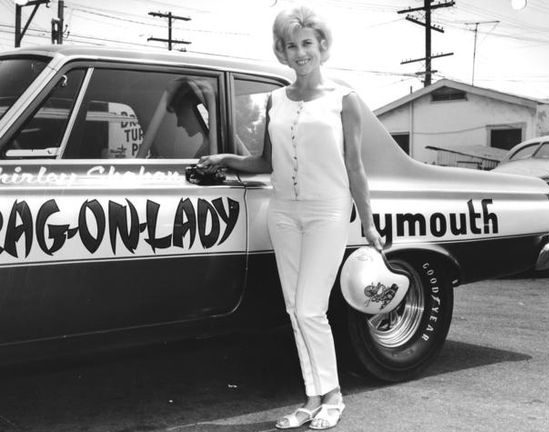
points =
(204, 91)
(174, 87)
(373, 237)
(211, 163)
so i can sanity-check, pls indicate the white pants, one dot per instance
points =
(309, 239)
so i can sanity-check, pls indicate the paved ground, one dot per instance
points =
(492, 375)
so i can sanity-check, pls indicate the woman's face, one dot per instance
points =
(186, 118)
(303, 51)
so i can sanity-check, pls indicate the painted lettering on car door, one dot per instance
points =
(125, 225)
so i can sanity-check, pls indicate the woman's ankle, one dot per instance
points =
(313, 402)
(333, 397)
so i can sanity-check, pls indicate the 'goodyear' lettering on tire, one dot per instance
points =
(434, 292)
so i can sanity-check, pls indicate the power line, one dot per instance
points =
(177, 4)
(159, 25)
(362, 6)
(374, 72)
(85, 39)
(105, 15)
(520, 37)
(494, 14)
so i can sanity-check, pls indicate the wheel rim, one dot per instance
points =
(394, 329)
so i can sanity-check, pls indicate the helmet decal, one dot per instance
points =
(380, 293)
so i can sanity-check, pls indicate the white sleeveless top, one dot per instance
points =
(307, 146)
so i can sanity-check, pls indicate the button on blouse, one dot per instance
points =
(307, 146)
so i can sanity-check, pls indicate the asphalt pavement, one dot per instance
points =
(492, 375)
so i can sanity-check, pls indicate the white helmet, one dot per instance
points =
(369, 284)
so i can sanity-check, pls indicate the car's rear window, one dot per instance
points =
(16, 74)
(525, 152)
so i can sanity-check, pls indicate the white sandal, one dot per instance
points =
(294, 422)
(329, 415)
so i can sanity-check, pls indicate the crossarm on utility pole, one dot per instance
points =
(170, 17)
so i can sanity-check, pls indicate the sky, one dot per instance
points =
(370, 38)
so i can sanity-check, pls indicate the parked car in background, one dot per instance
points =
(529, 158)
(105, 241)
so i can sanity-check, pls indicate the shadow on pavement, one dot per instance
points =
(459, 355)
(184, 386)
(216, 427)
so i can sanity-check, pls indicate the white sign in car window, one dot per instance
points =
(125, 133)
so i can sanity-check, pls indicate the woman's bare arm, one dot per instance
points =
(154, 125)
(248, 163)
(352, 133)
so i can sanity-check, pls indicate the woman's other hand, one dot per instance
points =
(373, 237)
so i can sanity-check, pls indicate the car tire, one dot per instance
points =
(398, 345)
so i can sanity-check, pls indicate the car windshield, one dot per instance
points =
(15, 77)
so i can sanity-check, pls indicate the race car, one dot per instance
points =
(109, 238)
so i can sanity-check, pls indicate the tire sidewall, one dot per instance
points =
(405, 361)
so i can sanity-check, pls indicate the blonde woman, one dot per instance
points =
(312, 147)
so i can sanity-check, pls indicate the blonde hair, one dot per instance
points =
(289, 21)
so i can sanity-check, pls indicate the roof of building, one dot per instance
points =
(480, 91)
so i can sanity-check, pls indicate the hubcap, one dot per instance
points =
(394, 329)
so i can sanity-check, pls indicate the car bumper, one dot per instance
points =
(542, 263)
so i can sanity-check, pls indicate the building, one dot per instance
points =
(453, 123)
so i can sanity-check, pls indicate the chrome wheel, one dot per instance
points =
(397, 327)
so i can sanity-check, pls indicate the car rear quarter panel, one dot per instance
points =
(490, 224)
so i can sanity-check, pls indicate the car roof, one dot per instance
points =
(533, 140)
(521, 145)
(65, 53)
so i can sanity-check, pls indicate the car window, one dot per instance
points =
(250, 101)
(42, 133)
(129, 114)
(524, 152)
(15, 77)
(543, 152)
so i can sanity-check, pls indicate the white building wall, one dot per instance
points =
(460, 122)
(542, 120)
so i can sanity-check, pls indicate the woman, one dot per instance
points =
(181, 97)
(312, 146)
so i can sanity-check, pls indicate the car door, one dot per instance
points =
(97, 237)
(249, 95)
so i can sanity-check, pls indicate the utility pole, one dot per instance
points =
(170, 17)
(58, 23)
(476, 24)
(19, 5)
(427, 7)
